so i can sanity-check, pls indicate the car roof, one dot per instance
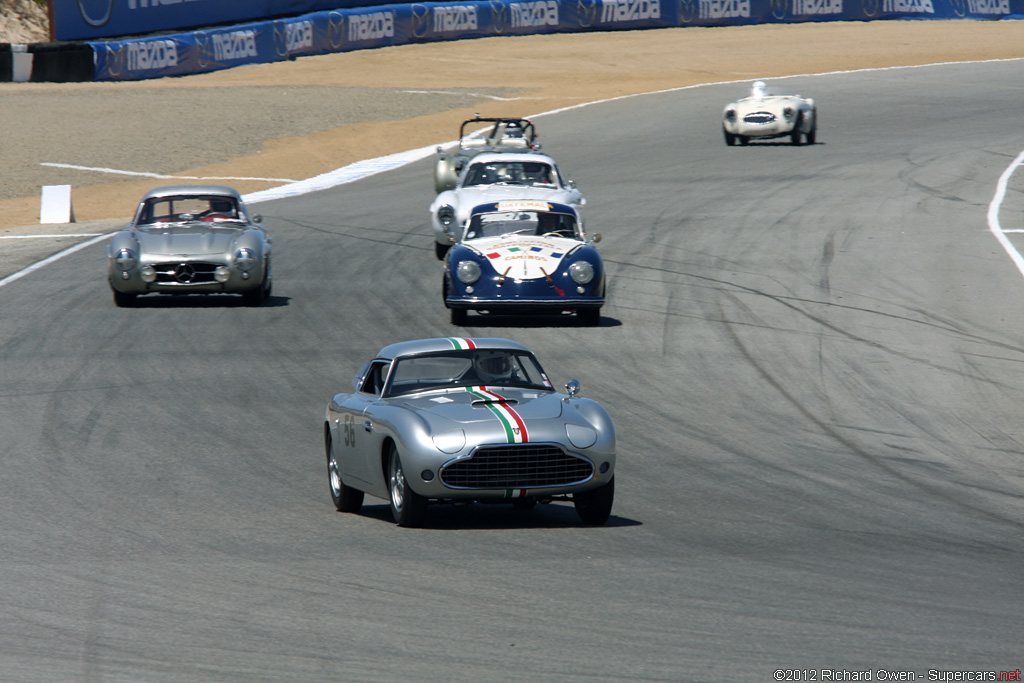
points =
(418, 346)
(522, 205)
(180, 190)
(490, 157)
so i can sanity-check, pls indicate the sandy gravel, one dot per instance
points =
(294, 120)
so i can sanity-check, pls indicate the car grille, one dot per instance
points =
(191, 273)
(759, 118)
(517, 466)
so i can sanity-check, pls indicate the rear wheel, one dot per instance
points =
(346, 498)
(407, 507)
(595, 506)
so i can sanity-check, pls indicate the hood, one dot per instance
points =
(524, 257)
(193, 239)
(491, 413)
(476, 195)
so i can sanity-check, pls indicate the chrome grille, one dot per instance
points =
(517, 466)
(191, 273)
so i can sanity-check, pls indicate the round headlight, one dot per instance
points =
(245, 259)
(582, 272)
(148, 274)
(221, 274)
(788, 112)
(468, 272)
(446, 215)
(730, 114)
(125, 259)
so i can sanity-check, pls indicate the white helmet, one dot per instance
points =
(492, 366)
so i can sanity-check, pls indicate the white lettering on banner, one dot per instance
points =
(228, 47)
(541, 13)
(140, 4)
(988, 6)
(724, 9)
(300, 35)
(448, 19)
(154, 54)
(371, 26)
(614, 11)
(909, 6)
(817, 7)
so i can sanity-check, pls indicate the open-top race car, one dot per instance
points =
(191, 239)
(462, 420)
(504, 135)
(524, 256)
(763, 115)
(492, 177)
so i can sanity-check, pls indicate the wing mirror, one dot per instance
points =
(572, 387)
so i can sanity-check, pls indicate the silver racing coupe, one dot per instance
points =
(191, 239)
(461, 420)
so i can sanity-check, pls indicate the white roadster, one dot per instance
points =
(764, 115)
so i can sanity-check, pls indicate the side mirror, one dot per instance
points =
(572, 387)
(257, 218)
(595, 238)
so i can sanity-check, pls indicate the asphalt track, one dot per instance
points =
(812, 354)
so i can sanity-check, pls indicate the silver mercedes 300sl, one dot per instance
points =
(460, 420)
(191, 239)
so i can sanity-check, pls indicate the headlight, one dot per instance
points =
(730, 114)
(582, 272)
(446, 215)
(468, 272)
(125, 259)
(788, 112)
(245, 260)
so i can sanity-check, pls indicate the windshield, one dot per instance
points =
(521, 223)
(530, 173)
(214, 209)
(476, 367)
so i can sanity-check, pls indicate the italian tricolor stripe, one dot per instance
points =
(515, 428)
(462, 343)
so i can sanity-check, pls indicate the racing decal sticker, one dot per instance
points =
(462, 343)
(522, 205)
(515, 428)
(515, 493)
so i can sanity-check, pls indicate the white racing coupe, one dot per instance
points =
(763, 115)
(495, 177)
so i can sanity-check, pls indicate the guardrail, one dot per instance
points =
(342, 30)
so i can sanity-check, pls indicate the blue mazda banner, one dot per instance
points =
(340, 30)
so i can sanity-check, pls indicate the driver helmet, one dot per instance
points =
(758, 89)
(492, 366)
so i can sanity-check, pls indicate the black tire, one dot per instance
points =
(440, 250)
(346, 498)
(459, 316)
(730, 139)
(591, 317)
(259, 296)
(812, 136)
(407, 507)
(123, 299)
(794, 137)
(744, 140)
(595, 506)
(524, 503)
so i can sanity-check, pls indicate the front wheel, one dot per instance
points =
(459, 316)
(123, 299)
(346, 498)
(407, 507)
(730, 139)
(591, 317)
(440, 250)
(595, 506)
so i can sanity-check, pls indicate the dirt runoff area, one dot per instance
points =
(262, 125)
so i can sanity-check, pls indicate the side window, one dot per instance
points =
(373, 382)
